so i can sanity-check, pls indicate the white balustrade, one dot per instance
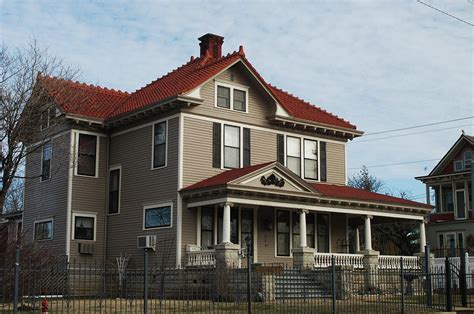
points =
(201, 258)
(325, 260)
(393, 262)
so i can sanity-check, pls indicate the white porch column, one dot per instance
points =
(303, 229)
(422, 237)
(357, 240)
(368, 234)
(226, 223)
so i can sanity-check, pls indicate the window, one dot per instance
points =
(247, 227)
(48, 118)
(230, 97)
(310, 159)
(223, 97)
(114, 191)
(309, 230)
(44, 230)
(460, 204)
(239, 100)
(87, 155)
(44, 120)
(283, 233)
(448, 201)
(467, 159)
(207, 227)
(159, 145)
(441, 241)
(458, 166)
(84, 227)
(231, 146)
(46, 162)
(157, 217)
(322, 226)
(293, 154)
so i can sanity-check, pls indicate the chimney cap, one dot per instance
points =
(210, 35)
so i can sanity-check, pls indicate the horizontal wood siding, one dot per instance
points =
(142, 186)
(336, 163)
(48, 199)
(88, 196)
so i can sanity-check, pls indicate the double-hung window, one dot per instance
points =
(467, 159)
(84, 227)
(46, 162)
(231, 146)
(223, 97)
(114, 190)
(239, 100)
(310, 159)
(44, 230)
(87, 155)
(159, 145)
(230, 97)
(293, 154)
(157, 216)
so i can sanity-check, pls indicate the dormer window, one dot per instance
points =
(231, 97)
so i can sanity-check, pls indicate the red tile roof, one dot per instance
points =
(82, 99)
(350, 193)
(326, 189)
(106, 103)
(225, 177)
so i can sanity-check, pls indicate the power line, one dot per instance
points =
(418, 126)
(397, 164)
(446, 13)
(415, 133)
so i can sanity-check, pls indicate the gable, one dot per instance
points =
(446, 164)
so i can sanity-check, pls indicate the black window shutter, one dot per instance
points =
(216, 145)
(322, 156)
(246, 144)
(281, 148)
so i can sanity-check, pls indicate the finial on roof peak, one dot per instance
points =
(241, 51)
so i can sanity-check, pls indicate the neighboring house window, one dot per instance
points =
(322, 226)
(310, 159)
(293, 154)
(46, 162)
(448, 200)
(283, 233)
(87, 155)
(458, 166)
(230, 97)
(44, 230)
(467, 159)
(114, 191)
(207, 227)
(48, 118)
(309, 230)
(231, 146)
(157, 217)
(84, 227)
(159, 145)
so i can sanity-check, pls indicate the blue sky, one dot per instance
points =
(380, 64)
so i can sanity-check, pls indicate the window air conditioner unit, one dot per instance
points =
(86, 248)
(146, 242)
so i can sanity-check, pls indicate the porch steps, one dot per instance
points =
(294, 284)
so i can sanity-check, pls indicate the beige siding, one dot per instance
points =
(48, 199)
(142, 186)
(336, 163)
(88, 197)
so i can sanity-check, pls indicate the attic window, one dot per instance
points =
(231, 97)
(48, 118)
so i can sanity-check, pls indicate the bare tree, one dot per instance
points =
(364, 180)
(20, 102)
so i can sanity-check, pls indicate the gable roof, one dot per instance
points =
(110, 104)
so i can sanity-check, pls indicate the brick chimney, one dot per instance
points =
(212, 44)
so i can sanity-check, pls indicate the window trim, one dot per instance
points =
(50, 160)
(303, 152)
(158, 205)
(302, 138)
(241, 151)
(466, 203)
(76, 153)
(232, 86)
(83, 214)
(112, 168)
(460, 162)
(42, 221)
(166, 121)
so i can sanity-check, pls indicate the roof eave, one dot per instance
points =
(83, 118)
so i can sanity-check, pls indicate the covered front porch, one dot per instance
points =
(287, 220)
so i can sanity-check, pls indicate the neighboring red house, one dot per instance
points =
(451, 224)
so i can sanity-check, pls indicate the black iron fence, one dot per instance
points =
(74, 287)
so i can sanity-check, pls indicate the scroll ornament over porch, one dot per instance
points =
(272, 180)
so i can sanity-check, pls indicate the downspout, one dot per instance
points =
(69, 194)
(106, 209)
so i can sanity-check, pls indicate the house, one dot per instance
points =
(205, 158)
(11, 227)
(451, 181)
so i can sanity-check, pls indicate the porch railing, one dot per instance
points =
(201, 258)
(393, 262)
(324, 260)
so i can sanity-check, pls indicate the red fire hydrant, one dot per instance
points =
(44, 306)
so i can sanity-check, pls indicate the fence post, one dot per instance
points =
(402, 286)
(17, 280)
(333, 283)
(145, 281)
(429, 291)
(449, 297)
(462, 277)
